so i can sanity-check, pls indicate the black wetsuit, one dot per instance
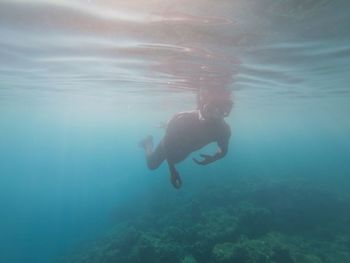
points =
(187, 132)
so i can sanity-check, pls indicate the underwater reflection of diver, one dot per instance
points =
(190, 131)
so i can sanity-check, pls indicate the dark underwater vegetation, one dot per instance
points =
(244, 221)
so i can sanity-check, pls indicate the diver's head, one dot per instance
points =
(216, 110)
(215, 104)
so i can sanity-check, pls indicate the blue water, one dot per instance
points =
(81, 83)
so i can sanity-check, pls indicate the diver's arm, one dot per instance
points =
(223, 143)
(207, 159)
(175, 178)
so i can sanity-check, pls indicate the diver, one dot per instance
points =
(190, 131)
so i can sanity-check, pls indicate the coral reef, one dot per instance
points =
(276, 223)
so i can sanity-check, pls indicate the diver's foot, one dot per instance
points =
(146, 143)
(176, 180)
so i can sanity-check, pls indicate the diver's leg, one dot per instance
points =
(154, 158)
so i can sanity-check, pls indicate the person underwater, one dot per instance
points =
(190, 131)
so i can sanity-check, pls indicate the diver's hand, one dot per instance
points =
(207, 159)
(176, 179)
(162, 125)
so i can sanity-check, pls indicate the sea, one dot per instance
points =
(83, 81)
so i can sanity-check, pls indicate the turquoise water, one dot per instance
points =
(81, 83)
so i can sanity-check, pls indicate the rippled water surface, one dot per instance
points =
(82, 81)
(290, 48)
